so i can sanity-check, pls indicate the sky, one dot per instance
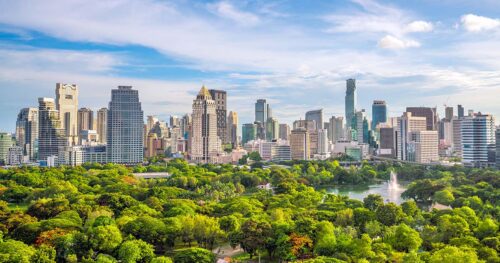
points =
(296, 54)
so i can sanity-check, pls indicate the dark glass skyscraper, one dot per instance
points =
(350, 101)
(220, 98)
(317, 116)
(125, 127)
(461, 111)
(379, 113)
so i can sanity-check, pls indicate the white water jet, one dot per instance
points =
(394, 190)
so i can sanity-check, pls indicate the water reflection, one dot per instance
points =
(390, 190)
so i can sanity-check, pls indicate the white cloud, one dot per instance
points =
(475, 23)
(392, 42)
(419, 26)
(228, 11)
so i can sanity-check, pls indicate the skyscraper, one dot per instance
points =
(460, 111)
(5, 143)
(478, 140)
(429, 113)
(272, 129)
(498, 148)
(422, 146)
(27, 132)
(85, 119)
(248, 132)
(125, 127)
(261, 110)
(361, 126)
(51, 135)
(336, 129)
(284, 131)
(350, 101)
(232, 128)
(220, 98)
(102, 121)
(67, 105)
(205, 144)
(300, 144)
(174, 121)
(406, 124)
(379, 113)
(448, 113)
(317, 116)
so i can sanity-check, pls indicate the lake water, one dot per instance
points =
(390, 190)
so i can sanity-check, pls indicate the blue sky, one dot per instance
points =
(296, 54)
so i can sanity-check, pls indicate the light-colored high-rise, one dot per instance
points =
(102, 122)
(125, 127)
(51, 135)
(232, 128)
(336, 129)
(422, 147)
(300, 144)
(284, 131)
(478, 140)
(205, 144)
(406, 124)
(220, 98)
(5, 143)
(67, 106)
(272, 129)
(27, 132)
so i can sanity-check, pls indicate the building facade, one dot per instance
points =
(422, 147)
(316, 116)
(220, 98)
(85, 121)
(300, 144)
(232, 129)
(101, 124)
(51, 135)
(336, 129)
(350, 101)
(430, 115)
(379, 113)
(248, 132)
(27, 132)
(205, 143)
(406, 124)
(284, 132)
(478, 140)
(67, 106)
(125, 127)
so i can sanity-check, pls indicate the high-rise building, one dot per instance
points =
(102, 122)
(350, 101)
(408, 123)
(309, 125)
(261, 110)
(336, 129)
(280, 152)
(85, 119)
(284, 131)
(205, 144)
(379, 113)
(387, 142)
(456, 124)
(323, 142)
(429, 113)
(360, 126)
(51, 135)
(478, 140)
(300, 144)
(422, 146)
(125, 127)
(460, 111)
(220, 98)
(67, 106)
(174, 121)
(498, 148)
(27, 132)
(5, 143)
(313, 142)
(317, 117)
(448, 113)
(15, 156)
(150, 122)
(232, 128)
(185, 125)
(248, 132)
(272, 129)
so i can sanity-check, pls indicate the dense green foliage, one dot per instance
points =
(102, 213)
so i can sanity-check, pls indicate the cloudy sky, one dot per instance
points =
(296, 54)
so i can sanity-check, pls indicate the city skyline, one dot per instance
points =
(407, 54)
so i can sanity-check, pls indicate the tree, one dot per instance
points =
(48, 207)
(147, 228)
(135, 251)
(161, 260)
(451, 226)
(487, 228)
(254, 235)
(190, 255)
(389, 214)
(44, 254)
(444, 197)
(16, 252)
(406, 239)
(373, 201)
(105, 238)
(450, 254)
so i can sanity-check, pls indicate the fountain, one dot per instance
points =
(393, 188)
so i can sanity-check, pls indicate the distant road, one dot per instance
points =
(151, 175)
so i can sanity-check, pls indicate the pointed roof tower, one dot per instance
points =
(204, 94)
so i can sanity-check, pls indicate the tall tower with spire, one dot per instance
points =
(205, 144)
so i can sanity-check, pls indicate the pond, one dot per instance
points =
(390, 190)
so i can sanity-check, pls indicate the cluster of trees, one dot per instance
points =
(102, 213)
